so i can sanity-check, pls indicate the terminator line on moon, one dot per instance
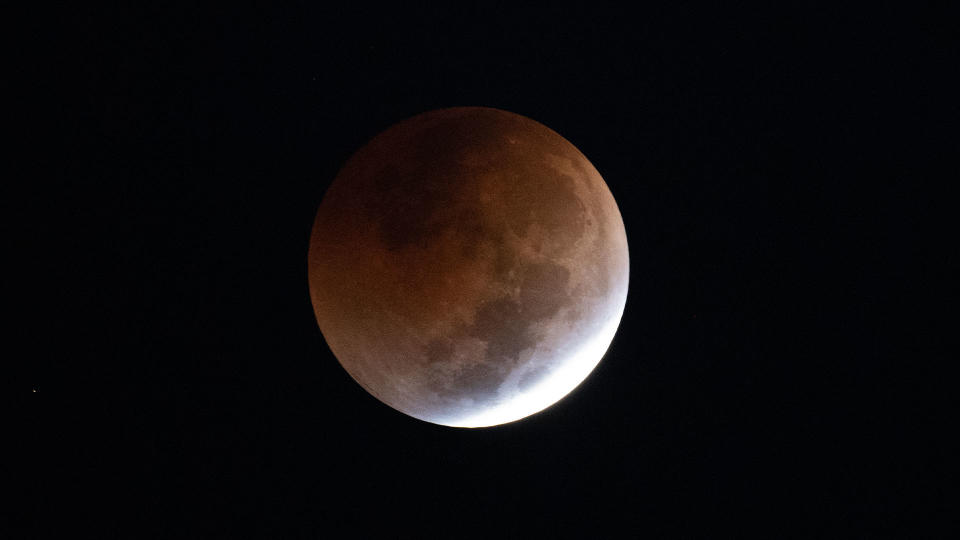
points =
(468, 267)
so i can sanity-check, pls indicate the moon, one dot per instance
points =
(468, 267)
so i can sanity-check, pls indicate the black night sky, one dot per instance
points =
(777, 371)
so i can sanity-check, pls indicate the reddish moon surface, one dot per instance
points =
(468, 267)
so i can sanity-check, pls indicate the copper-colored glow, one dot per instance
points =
(468, 267)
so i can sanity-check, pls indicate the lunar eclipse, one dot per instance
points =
(468, 267)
